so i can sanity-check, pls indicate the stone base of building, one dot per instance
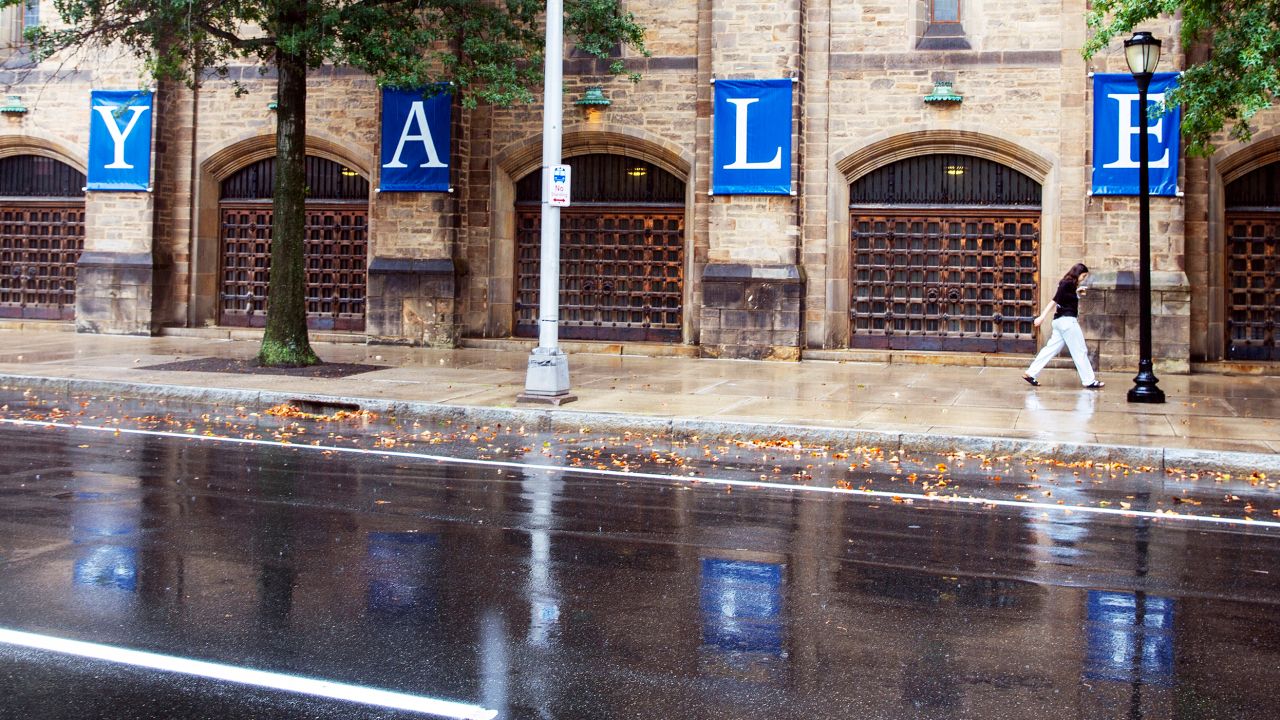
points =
(114, 293)
(751, 312)
(412, 302)
(1111, 321)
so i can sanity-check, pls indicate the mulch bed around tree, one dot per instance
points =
(251, 367)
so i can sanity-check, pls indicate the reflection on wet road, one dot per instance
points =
(543, 592)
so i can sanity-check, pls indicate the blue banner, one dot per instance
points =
(1116, 128)
(752, 148)
(415, 140)
(120, 140)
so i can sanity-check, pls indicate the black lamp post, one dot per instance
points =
(1142, 52)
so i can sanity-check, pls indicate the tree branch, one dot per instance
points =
(249, 44)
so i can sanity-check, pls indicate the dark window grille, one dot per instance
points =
(946, 179)
(39, 176)
(326, 180)
(610, 179)
(1258, 189)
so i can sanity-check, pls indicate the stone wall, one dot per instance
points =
(766, 275)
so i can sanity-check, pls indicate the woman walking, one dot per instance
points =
(1065, 307)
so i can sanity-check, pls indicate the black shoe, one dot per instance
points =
(1031, 380)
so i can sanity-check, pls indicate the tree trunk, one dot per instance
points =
(285, 341)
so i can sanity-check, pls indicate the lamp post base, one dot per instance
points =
(547, 380)
(1144, 388)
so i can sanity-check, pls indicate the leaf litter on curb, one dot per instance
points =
(1078, 483)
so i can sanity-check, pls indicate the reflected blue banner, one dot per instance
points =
(119, 140)
(401, 569)
(1116, 128)
(416, 135)
(741, 605)
(751, 152)
(1129, 638)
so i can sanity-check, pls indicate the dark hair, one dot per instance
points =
(1073, 275)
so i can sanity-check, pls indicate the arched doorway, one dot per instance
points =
(1253, 265)
(621, 252)
(41, 237)
(336, 245)
(944, 255)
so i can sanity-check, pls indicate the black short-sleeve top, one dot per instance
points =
(1067, 301)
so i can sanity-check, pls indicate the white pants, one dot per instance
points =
(1066, 331)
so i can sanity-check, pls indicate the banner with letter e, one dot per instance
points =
(120, 140)
(416, 135)
(751, 152)
(1116, 128)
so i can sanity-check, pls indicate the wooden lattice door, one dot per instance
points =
(944, 254)
(336, 246)
(1253, 286)
(622, 253)
(1253, 265)
(41, 237)
(335, 249)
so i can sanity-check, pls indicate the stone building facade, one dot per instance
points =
(865, 258)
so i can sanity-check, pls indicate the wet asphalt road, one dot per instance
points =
(542, 592)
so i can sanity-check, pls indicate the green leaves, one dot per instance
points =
(1235, 46)
(491, 50)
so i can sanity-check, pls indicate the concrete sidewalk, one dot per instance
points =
(1210, 421)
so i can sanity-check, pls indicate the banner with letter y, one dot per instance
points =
(120, 140)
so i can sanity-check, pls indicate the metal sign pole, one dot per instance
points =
(547, 380)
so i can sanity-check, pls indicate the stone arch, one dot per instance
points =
(1208, 297)
(231, 157)
(220, 164)
(855, 161)
(877, 153)
(524, 157)
(44, 146)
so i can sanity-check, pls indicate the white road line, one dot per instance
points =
(247, 676)
(511, 464)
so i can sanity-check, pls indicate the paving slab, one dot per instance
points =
(1209, 417)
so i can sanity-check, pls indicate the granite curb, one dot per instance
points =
(559, 419)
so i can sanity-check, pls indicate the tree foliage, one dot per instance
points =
(1239, 74)
(489, 50)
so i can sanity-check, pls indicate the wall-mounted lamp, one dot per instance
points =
(13, 105)
(273, 104)
(593, 103)
(943, 94)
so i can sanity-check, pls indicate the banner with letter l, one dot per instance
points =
(1116, 128)
(120, 139)
(751, 153)
(416, 135)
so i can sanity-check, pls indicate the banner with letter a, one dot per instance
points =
(751, 153)
(120, 139)
(1116, 128)
(415, 140)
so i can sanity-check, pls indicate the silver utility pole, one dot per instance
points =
(547, 380)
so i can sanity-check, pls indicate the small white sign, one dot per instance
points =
(558, 186)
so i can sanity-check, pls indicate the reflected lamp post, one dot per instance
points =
(1142, 52)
